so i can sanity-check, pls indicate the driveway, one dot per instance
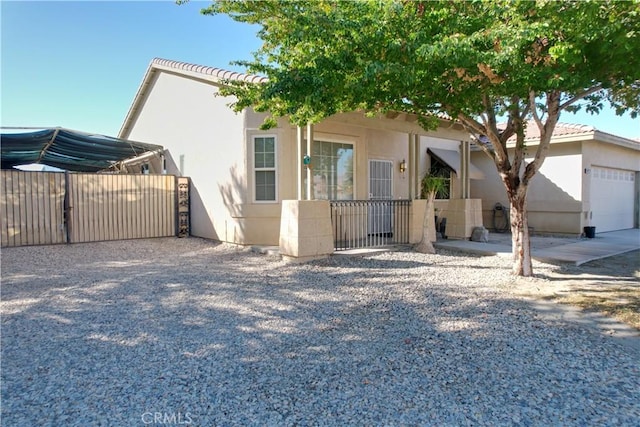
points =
(187, 332)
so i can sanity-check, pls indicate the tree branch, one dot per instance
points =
(546, 131)
(491, 114)
(474, 127)
(501, 157)
(471, 124)
(518, 126)
(525, 112)
(581, 95)
(534, 110)
(499, 154)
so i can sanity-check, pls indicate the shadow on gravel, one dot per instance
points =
(624, 266)
(217, 336)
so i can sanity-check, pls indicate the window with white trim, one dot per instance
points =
(264, 164)
(332, 167)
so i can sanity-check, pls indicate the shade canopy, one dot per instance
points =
(67, 149)
(452, 159)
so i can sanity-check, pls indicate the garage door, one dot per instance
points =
(612, 198)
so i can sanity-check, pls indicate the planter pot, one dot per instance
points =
(590, 232)
(442, 228)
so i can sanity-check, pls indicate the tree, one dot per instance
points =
(492, 66)
(430, 185)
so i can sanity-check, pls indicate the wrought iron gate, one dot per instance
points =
(184, 222)
(369, 223)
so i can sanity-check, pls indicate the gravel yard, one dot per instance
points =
(190, 332)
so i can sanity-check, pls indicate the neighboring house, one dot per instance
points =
(589, 178)
(241, 175)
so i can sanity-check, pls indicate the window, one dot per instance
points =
(441, 169)
(332, 166)
(264, 163)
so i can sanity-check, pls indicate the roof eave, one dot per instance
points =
(616, 140)
(212, 75)
(559, 139)
(137, 101)
(594, 135)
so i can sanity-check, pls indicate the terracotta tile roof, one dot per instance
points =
(569, 131)
(230, 75)
(533, 133)
(210, 71)
(185, 68)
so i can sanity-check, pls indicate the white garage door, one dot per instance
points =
(612, 198)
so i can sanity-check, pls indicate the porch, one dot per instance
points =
(362, 188)
(313, 229)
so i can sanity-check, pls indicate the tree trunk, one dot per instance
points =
(520, 242)
(428, 228)
(495, 143)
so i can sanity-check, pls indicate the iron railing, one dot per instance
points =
(369, 223)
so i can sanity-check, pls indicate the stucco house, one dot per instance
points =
(589, 179)
(285, 186)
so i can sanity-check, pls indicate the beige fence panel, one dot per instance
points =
(115, 207)
(32, 208)
(99, 207)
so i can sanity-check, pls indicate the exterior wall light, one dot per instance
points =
(403, 166)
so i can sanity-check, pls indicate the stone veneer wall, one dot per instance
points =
(305, 230)
(462, 216)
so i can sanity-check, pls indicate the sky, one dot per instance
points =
(79, 64)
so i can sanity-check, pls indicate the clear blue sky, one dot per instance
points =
(79, 64)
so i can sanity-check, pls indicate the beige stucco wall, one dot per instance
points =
(558, 196)
(387, 145)
(369, 144)
(554, 196)
(393, 147)
(186, 118)
(214, 146)
(597, 153)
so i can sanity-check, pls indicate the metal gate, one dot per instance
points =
(51, 207)
(32, 208)
(350, 220)
(380, 215)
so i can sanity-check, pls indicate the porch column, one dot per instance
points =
(300, 138)
(310, 195)
(465, 183)
(467, 162)
(412, 170)
(416, 166)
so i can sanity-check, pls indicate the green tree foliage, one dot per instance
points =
(430, 185)
(491, 65)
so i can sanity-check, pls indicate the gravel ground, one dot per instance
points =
(187, 332)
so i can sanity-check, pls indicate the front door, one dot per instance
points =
(380, 188)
